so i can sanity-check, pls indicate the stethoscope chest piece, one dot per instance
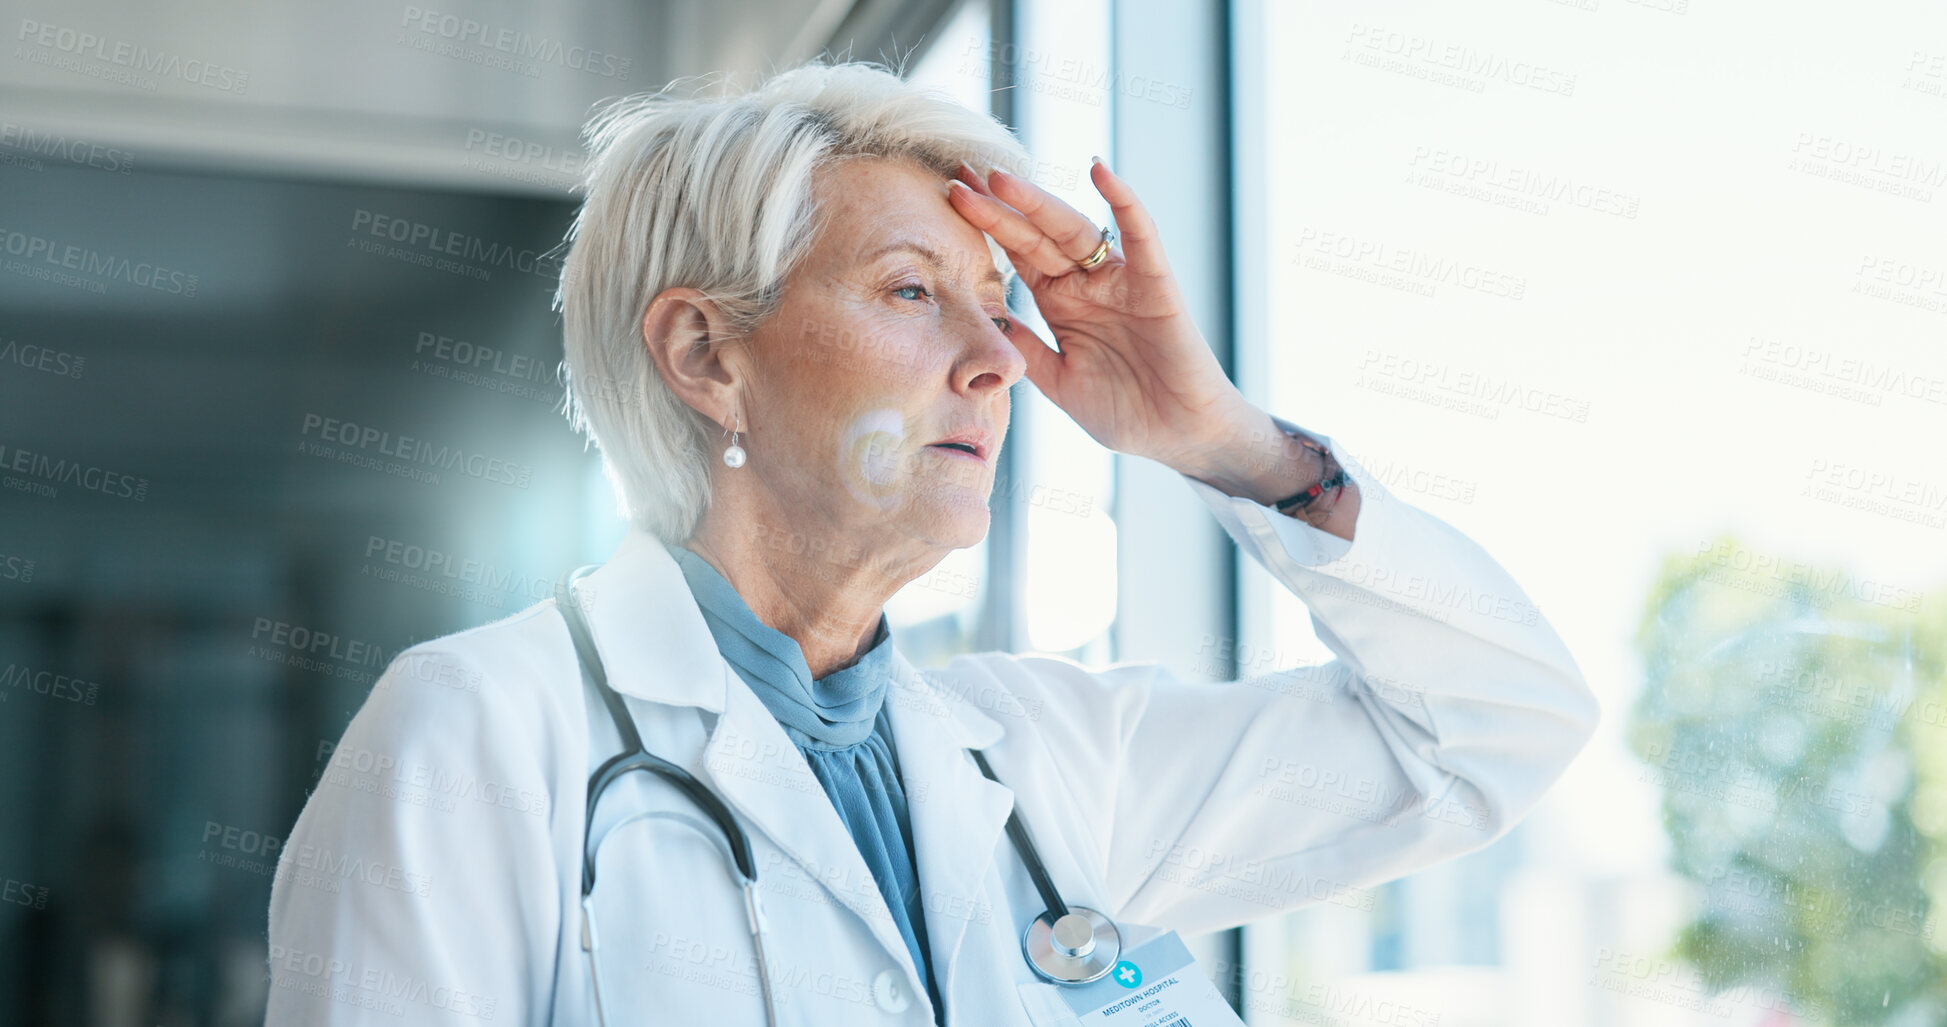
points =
(1075, 949)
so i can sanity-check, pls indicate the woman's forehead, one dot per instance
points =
(879, 208)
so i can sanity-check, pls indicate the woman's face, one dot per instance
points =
(877, 396)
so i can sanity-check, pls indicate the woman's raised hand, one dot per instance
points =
(1132, 369)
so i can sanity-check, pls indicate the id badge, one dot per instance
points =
(1157, 984)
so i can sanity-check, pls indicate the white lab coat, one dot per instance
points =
(434, 874)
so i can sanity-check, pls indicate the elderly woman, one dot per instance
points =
(787, 330)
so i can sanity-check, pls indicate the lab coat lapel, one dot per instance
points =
(652, 638)
(957, 814)
(757, 769)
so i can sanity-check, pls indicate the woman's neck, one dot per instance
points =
(823, 590)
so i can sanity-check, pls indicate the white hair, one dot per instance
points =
(714, 193)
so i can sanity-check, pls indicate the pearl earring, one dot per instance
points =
(733, 456)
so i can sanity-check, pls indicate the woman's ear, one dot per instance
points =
(689, 339)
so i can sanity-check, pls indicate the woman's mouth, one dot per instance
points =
(973, 440)
(961, 450)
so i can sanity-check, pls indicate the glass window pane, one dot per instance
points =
(1646, 298)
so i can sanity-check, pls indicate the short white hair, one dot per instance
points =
(714, 193)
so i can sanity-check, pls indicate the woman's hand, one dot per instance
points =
(1132, 368)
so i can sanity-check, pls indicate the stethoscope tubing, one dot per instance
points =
(636, 756)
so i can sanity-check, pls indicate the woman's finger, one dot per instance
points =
(1072, 234)
(972, 177)
(1142, 245)
(1044, 361)
(968, 174)
(1023, 242)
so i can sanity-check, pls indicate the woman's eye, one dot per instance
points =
(904, 289)
(1004, 325)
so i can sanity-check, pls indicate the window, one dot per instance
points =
(1645, 298)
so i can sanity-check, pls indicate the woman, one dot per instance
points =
(786, 330)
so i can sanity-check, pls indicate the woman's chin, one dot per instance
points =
(953, 525)
(973, 528)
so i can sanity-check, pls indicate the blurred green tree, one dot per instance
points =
(1795, 717)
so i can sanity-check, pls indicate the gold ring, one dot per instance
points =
(1090, 262)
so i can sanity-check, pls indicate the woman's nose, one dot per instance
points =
(992, 362)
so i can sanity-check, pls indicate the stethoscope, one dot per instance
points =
(1064, 945)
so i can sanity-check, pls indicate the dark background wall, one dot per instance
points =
(228, 503)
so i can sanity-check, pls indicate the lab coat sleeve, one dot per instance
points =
(416, 886)
(1450, 708)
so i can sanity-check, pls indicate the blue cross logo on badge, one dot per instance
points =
(1127, 974)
